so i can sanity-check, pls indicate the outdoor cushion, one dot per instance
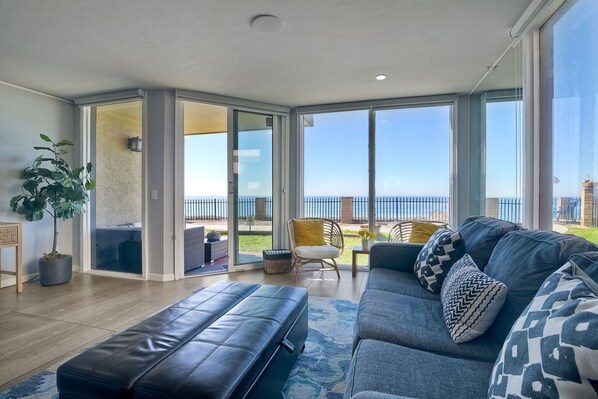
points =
(422, 231)
(436, 257)
(470, 300)
(551, 349)
(522, 260)
(309, 232)
(415, 323)
(397, 370)
(398, 282)
(480, 235)
(318, 252)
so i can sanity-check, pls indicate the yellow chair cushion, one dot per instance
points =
(309, 232)
(421, 231)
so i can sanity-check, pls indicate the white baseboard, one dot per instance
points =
(8, 280)
(160, 277)
(109, 273)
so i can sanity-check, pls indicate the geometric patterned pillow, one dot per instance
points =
(436, 257)
(552, 349)
(470, 300)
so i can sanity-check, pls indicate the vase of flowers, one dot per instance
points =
(367, 237)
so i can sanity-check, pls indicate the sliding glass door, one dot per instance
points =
(206, 235)
(252, 186)
(229, 205)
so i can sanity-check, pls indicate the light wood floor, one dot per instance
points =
(45, 325)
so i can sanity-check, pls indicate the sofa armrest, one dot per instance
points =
(398, 256)
(376, 395)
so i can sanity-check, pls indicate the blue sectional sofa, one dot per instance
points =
(402, 347)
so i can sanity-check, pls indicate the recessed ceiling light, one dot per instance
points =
(380, 76)
(267, 24)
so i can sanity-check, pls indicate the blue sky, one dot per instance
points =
(206, 164)
(412, 155)
(575, 102)
(503, 150)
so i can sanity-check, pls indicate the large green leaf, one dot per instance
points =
(90, 184)
(45, 138)
(44, 148)
(62, 143)
(30, 186)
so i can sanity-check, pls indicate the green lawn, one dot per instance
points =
(589, 233)
(257, 243)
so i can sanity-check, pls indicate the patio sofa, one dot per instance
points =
(402, 346)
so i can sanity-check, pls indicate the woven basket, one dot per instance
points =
(277, 261)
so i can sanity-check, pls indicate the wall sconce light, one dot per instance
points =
(135, 144)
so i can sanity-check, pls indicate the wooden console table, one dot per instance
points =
(11, 235)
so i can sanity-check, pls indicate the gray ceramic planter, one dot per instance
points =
(57, 271)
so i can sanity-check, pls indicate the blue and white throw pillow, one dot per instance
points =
(552, 349)
(470, 300)
(436, 257)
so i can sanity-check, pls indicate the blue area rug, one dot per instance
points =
(319, 372)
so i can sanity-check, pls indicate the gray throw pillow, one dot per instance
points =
(551, 349)
(470, 300)
(436, 257)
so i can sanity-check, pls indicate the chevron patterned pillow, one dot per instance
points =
(470, 300)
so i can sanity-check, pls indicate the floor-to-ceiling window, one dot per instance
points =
(413, 164)
(335, 172)
(570, 104)
(402, 155)
(504, 160)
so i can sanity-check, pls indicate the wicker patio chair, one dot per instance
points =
(401, 232)
(323, 254)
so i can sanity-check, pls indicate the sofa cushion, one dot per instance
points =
(522, 260)
(415, 323)
(551, 349)
(436, 257)
(398, 282)
(480, 235)
(470, 300)
(397, 370)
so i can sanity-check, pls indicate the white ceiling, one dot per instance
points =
(329, 51)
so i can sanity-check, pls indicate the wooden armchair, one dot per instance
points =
(322, 254)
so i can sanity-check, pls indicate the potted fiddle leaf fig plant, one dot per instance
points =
(52, 188)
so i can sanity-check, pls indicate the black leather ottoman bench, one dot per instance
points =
(229, 340)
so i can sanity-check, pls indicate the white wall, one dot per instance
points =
(23, 116)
